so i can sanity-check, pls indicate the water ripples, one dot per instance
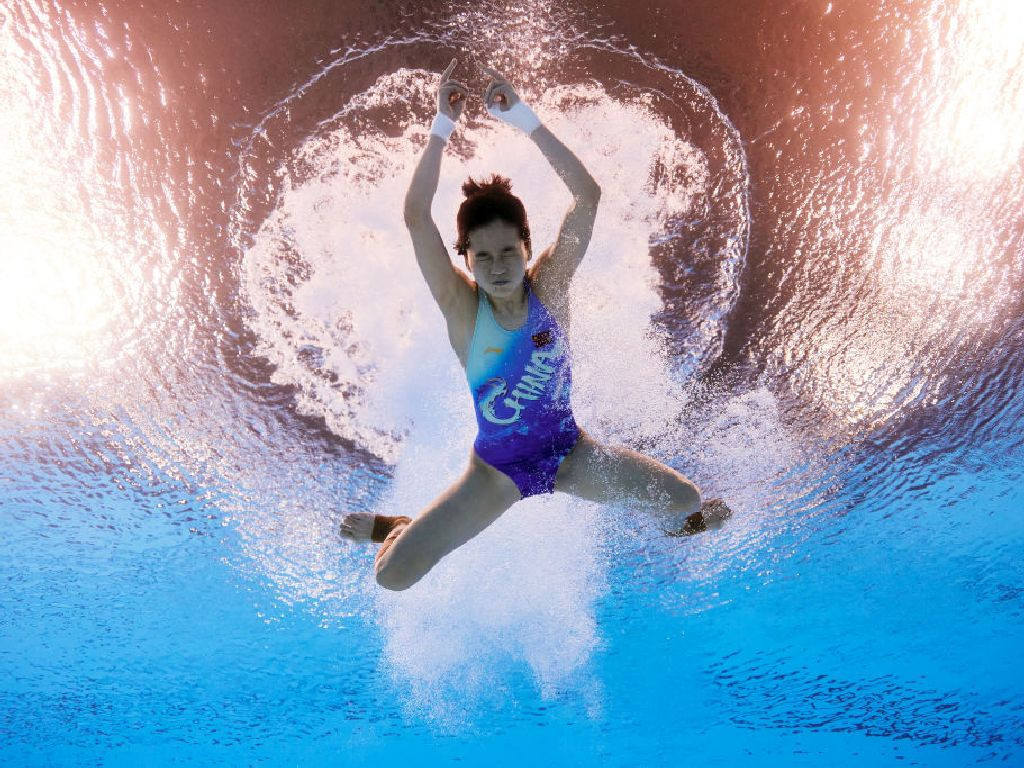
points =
(196, 357)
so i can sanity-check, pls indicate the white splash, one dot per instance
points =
(342, 311)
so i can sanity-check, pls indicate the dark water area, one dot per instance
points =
(214, 341)
(828, 101)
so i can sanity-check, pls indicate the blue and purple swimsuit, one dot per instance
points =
(520, 382)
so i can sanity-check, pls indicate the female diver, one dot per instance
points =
(508, 327)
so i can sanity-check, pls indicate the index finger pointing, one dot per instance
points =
(448, 69)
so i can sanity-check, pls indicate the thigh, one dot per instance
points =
(469, 505)
(617, 474)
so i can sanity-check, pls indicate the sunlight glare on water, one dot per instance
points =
(215, 342)
(919, 263)
(974, 89)
(55, 297)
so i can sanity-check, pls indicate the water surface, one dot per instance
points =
(803, 291)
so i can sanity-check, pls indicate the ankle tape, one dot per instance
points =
(384, 524)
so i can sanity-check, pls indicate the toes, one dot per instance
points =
(356, 526)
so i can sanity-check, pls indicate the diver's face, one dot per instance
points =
(497, 257)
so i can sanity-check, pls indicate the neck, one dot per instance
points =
(511, 305)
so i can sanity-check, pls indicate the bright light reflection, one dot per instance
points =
(52, 302)
(54, 294)
(928, 253)
(975, 102)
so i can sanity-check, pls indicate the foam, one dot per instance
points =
(343, 313)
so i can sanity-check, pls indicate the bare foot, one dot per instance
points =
(357, 526)
(710, 517)
(715, 512)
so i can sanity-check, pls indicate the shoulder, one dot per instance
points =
(539, 273)
(551, 292)
(465, 297)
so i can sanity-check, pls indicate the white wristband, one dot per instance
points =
(442, 126)
(518, 115)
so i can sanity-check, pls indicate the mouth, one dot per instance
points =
(501, 282)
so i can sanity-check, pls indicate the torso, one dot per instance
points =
(462, 318)
(520, 378)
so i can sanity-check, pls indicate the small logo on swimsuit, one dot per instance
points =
(495, 350)
(542, 339)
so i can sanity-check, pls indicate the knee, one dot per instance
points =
(395, 579)
(387, 578)
(392, 567)
(389, 581)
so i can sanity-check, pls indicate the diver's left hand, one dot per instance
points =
(499, 92)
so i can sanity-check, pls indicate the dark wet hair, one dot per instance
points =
(485, 202)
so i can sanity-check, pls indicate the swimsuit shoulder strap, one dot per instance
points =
(482, 313)
(481, 330)
(531, 297)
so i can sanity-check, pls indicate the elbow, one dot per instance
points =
(416, 206)
(415, 213)
(590, 194)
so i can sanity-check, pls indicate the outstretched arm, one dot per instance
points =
(500, 97)
(557, 264)
(423, 186)
(445, 283)
(451, 100)
(581, 184)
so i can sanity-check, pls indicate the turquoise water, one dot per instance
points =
(872, 637)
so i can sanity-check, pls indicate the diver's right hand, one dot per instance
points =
(451, 94)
